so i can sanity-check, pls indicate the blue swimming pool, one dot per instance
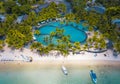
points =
(74, 30)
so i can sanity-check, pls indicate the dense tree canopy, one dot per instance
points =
(15, 39)
(109, 3)
(17, 35)
(24, 2)
(9, 5)
(19, 10)
(2, 9)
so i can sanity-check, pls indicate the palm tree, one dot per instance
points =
(117, 46)
(65, 39)
(37, 32)
(51, 46)
(46, 39)
(70, 17)
(90, 28)
(59, 32)
(90, 41)
(63, 49)
(70, 45)
(103, 44)
(73, 50)
(65, 52)
(77, 46)
(52, 34)
(1, 47)
(59, 41)
(36, 45)
(1, 44)
(46, 50)
(96, 46)
(85, 46)
(94, 38)
(41, 50)
(62, 7)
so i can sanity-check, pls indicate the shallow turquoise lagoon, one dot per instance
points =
(54, 75)
(76, 31)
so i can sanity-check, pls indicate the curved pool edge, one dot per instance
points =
(85, 34)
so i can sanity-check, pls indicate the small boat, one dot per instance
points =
(64, 70)
(93, 76)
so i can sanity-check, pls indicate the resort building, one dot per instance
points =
(2, 18)
(40, 7)
(92, 6)
(56, 1)
(116, 21)
(21, 18)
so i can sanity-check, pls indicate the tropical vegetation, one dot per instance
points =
(17, 35)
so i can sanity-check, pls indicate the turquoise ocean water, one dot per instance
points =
(53, 75)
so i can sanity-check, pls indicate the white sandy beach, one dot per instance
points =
(15, 55)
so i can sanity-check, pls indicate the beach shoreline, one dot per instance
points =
(9, 56)
(67, 62)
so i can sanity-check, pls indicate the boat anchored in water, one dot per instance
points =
(93, 76)
(64, 70)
